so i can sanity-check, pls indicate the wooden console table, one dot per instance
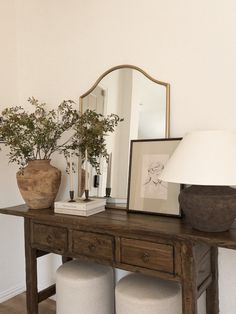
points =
(161, 246)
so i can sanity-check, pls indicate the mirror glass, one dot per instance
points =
(143, 103)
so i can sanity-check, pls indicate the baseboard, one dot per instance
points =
(12, 292)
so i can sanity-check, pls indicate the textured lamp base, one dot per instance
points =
(209, 208)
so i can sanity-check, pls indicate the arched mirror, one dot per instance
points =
(144, 103)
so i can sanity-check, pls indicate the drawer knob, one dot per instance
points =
(92, 247)
(146, 257)
(49, 239)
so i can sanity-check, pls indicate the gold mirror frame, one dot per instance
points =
(167, 85)
(128, 66)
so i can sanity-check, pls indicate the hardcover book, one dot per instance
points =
(80, 204)
(79, 212)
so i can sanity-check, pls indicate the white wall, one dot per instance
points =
(11, 228)
(63, 46)
(12, 266)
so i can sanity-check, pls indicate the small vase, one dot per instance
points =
(39, 183)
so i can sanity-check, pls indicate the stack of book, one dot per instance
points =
(80, 207)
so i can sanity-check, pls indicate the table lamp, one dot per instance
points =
(205, 160)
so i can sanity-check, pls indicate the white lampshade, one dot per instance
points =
(203, 158)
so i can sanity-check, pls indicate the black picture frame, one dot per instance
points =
(147, 194)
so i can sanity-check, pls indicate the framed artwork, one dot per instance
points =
(146, 192)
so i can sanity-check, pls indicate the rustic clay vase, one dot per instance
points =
(39, 183)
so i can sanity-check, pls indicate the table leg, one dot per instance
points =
(31, 272)
(212, 292)
(189, 286)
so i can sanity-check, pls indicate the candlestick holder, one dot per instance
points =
(108, 192)
(87, 199)
(71, 196)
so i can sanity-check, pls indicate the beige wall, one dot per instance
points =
(11, 228)
(63, 46)
(66, 45)
(8, 73)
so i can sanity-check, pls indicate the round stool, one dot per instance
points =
(84, 288)
(140, 294)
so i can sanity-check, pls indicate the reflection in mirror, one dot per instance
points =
(143, 102)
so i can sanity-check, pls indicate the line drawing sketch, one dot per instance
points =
(152, 167)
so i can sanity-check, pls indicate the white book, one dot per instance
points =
(79, 212)
(80, 204)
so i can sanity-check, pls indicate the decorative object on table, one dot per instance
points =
(72, 195)
(108, 192)
(37, 135)
(89, 139)
(96, 180)
(206, 160)
(147, 193)
(108, 182)
(71, 178)
(39, 183)
(86, 176)
(32, 138)
(81, 175)
(80, 207)
(146, 114)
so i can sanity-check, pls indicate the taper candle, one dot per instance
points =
(108, 185)
(86, 169)
(71, 174)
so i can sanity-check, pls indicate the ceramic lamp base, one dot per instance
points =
(209, 208)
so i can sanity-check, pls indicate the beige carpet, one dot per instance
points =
(16, 305)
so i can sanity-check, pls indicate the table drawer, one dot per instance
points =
(92, 245)
(147, 254)
(49, 237)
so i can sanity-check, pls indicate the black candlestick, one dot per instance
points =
(71, 196)
(86, 196)
(108, 192)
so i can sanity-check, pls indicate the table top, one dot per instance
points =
(121, 221)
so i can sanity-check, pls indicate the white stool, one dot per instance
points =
(140, 294)
(84, 288)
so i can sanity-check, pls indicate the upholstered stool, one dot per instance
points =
(140, 294)
(84, 288)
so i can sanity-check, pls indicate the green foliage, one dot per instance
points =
(37, 135)
(90, 132)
